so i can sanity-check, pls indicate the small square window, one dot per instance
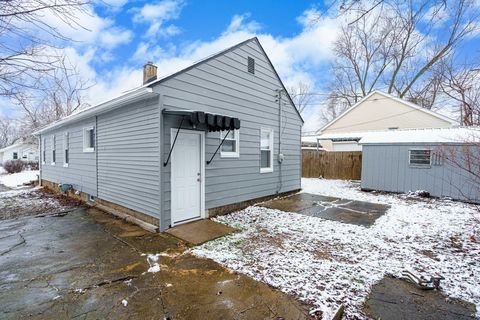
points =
(420, 158)
(231, 144)
(89, 139)
(15, 156)
(251, 65)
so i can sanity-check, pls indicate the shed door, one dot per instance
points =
(186, 195)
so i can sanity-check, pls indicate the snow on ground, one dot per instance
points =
(18, 179)
(327, 263)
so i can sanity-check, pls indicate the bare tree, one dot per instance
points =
(397, 45)
(27, 37)
(8, 132)
(63, 93)
(301, 95)
(461, 83)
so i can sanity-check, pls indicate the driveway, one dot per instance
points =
(85, 264)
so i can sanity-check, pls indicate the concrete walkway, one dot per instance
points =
(90, 265)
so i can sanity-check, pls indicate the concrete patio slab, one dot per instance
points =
(200, 231)
(343, 210)
(90, 265)
(397, 299)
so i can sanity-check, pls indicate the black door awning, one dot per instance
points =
(212, 121)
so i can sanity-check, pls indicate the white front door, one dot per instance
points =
(187, 176)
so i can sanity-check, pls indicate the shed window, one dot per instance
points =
(231, 145)
(15, 156)
(89, 139)
(251, 65)
(420, 158)
(266, 150)
(54, 156)
(66, 143)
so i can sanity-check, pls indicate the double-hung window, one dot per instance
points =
(66, 155)
(231, 144)
(54, 156)
(44, 151)
(266, 150)
(420, 158)
(89, 139)
(15, 156)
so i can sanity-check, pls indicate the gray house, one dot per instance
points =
(443, 162)
(208, 139)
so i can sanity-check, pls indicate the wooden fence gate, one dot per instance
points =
(332, 165)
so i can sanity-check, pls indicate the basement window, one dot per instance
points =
(420, 158)
(251, 65)
(266, 150)
(89, 139)
(231, 145)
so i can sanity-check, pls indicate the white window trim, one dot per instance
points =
(88, 149)
(231, 154)
(270, 169)
(66, 142)
(44, 150)
(420, 166)
(54, 149)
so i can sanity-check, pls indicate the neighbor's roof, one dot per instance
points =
(426, 136)
(146, 90)
(407, 103)
(16, 145)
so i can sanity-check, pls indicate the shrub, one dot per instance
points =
(31, 165)
(13, 166)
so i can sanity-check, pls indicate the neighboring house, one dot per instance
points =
(443, 162)
(128, 153)
(378, 111)
(25, 149)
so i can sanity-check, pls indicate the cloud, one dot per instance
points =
(301, 57)
(115, 36)
(157, 14)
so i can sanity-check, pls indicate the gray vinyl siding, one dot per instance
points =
(128, 157)
(223, 85)
(81, 171)
(386, 168)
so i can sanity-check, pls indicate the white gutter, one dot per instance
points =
(124, 99)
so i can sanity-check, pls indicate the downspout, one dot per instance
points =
(96, 153)
(280, 154)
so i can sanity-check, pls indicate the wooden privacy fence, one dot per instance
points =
(332, 165)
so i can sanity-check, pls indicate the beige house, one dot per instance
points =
(376, 112)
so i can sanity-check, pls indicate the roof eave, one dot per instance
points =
(119, 101)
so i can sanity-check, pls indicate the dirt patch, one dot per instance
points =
(397, 299)
(32, 201)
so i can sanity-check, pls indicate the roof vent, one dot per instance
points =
(251, 65)
(149, 72)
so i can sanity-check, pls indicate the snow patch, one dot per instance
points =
(327, 263)
(15, 180)
(124, 302)
(152, 260)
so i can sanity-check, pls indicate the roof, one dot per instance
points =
(16, 145)
(425, 136)
(211, 57)
(146, 90)
(407, 103)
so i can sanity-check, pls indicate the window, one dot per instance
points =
(15, 156)
(266, 150)
(54, 158)
(251, 65)
(66, 142)
(420, 158)
(89, 139)
(231, 145)
(44, 152)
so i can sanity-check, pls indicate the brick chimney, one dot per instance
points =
(149, 72)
